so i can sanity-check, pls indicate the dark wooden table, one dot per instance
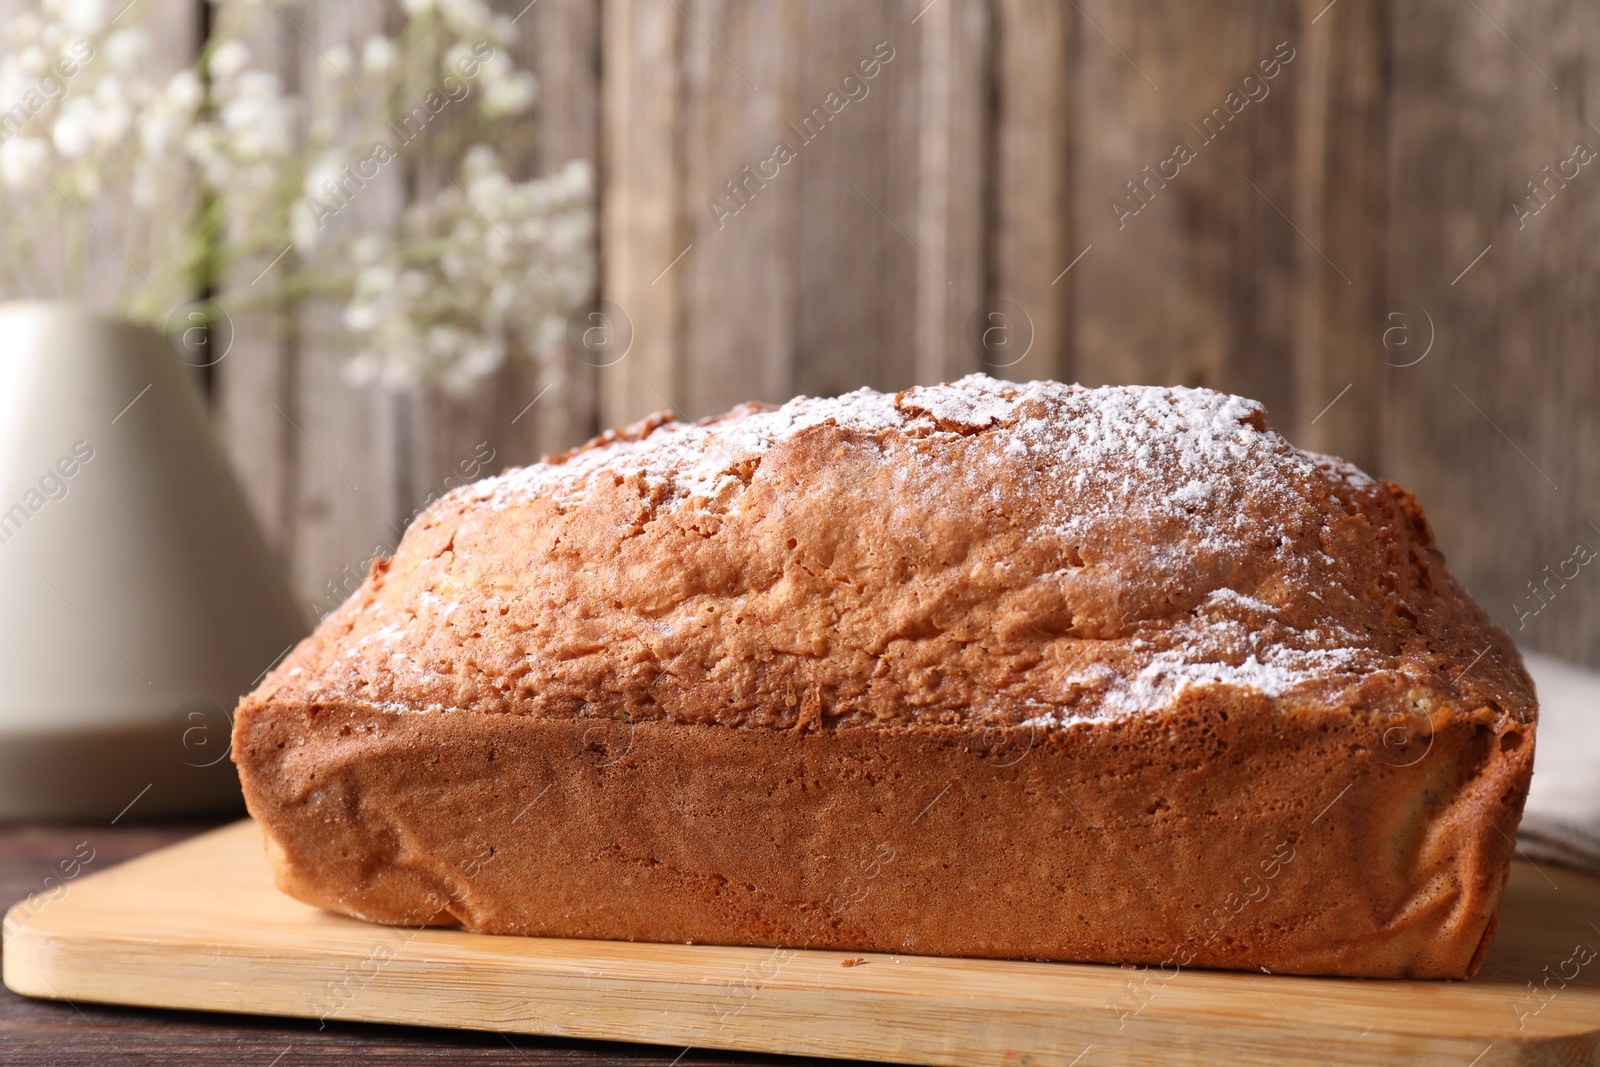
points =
(58, 1034)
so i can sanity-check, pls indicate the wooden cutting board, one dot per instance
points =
(199, 925)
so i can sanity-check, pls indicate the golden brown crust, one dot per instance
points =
(809, 620)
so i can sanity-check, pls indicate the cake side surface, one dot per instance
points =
(1211, 834)
(1127, 629)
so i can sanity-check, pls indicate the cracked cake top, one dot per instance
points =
(977, 552)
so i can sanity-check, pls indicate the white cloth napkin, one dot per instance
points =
(1561, 823)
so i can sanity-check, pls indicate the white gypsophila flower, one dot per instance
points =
(362, 370)
(322, 178)
(245, 148)
(503, 267)
(378, 56)
(509, 95)
(126, 49)
(466, 18)
(495, 67)
(479, 160)
(112, 121)
(456, 57)
(491, 192)
(33, 61)
(14, 85)
(162, 128)
(230, 59)
(24, 28)
(361, 317)
(367, 249)
(119, 146)
(77, 16)
(202, 146)
(112, 117)
(258, 121)
(184, 92)
(442, 295)
(158, 175)
(23, 161)
(576, 179)
(74, 130)
(303, 226)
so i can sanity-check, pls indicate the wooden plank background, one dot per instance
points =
(1341, 211)
(336, 472)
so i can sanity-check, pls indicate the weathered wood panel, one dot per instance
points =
(526, 409)
(349, 456)
(562, 38)
(1340, 192)
(998, 132)
(855, 192)
(335, 471)
(953, 130)
(253, 385)
(1228, 190)
(1498, 429)
(1193, 270)
(1031, 247)
(642, 240)
(734, 293)
(831, 221)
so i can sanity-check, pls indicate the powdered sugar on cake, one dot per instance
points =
(697, 461)
(1197, 467)
(1125, 434)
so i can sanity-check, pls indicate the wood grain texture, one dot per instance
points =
(336, 472)
(1031, 246)
(738, 80)
(199, 925)
(54, 1033)
(953, 132)
(563, 42)
(253, 385)
(855, 262)
(642, 236)
(1339, 197)
(856, 276)
(1496, 430)
(445, 439)
(1191, 279)
(348, 459)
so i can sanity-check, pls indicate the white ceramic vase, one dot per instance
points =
(138, 599)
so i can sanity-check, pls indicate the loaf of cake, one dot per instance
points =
(1027, 671)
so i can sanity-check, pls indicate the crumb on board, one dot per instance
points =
(856, 962)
